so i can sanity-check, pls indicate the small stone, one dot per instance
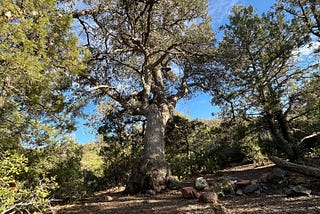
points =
(257, 192)
(189, 193)
(299, 180)
(109, 198)
(239, 192)
(200, 184)
(251, 188)
(277, 176)
(297, 191)
(208, 197)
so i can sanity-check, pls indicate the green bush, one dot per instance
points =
(68, 172)
(18, 194)
(119, 158)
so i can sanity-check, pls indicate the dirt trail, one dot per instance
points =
(171, 202)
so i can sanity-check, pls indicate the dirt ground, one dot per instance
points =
(171, 202)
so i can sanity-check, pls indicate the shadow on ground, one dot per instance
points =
(171, 202)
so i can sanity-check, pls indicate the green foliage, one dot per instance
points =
(68, 172)
(263, 75)
(121, 138)
(307, 11)
(225, 186)
(202, 146)
(18, 192)
(186, 143)
(91, 159)
(38, 58)
(119, 159)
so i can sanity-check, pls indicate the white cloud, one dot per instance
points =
(308, 49)
(305, 54)
(220, 9)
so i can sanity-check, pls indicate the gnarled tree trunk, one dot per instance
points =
(281, 144)
(151, 171)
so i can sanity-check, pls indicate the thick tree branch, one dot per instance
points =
(306, 170)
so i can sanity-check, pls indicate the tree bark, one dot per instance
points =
(306, 170)
(282, 145)
(151, 171)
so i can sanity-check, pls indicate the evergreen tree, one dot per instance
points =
(38, 60)
(261, 72)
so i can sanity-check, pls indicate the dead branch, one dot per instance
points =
(307, 138)
(306, 170)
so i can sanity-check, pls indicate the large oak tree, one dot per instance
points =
(146, 55)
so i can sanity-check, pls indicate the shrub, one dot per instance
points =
(18, 194)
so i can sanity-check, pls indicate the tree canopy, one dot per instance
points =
(38, 61)
(39, 58)
(261, 71)
(307, 11)
(145, 57)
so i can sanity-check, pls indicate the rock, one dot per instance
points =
(251, 188)
(271, 189)
(276, 176)
(173, 183)
(298, 180)
(108, 198)
(200, 184)
(189, 193)
(243, 182)
(232, 179)
(257, 192)
(208, 197)
(239, 192)
(296, 191)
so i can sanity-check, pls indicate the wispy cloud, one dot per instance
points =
(306, 55)
(308, 49)
(220, 9)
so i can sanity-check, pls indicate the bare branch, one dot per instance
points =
(101, 86)
(314, 135)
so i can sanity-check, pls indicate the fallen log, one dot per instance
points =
(306, 170)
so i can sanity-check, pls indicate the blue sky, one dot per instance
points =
(199, 106)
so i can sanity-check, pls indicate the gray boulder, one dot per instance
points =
(200, 184)
(296, 191)
(251, 188)
(277, 176)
